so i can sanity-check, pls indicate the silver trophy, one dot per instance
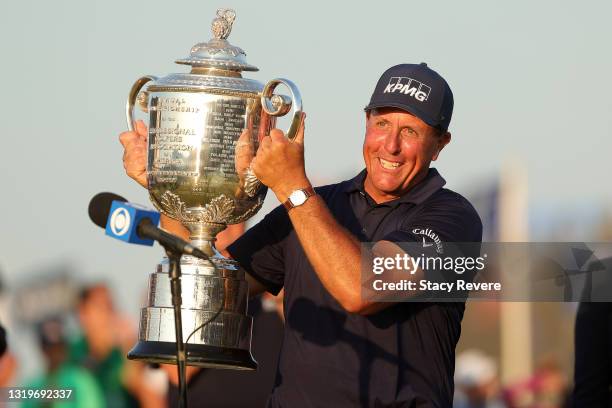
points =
(203, 135)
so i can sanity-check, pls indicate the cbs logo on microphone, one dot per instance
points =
(123, 219)
(120, 221)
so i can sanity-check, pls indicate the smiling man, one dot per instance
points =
(340, 350)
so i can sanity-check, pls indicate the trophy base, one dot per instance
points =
(198, 355)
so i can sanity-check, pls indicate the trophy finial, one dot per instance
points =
(222, 24)
(218, 53)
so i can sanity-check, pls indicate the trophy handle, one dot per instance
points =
(129, 106)
(279, 105)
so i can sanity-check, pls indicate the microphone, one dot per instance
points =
(99, 207)
(135, 224)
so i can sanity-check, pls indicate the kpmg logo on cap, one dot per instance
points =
(408, 86)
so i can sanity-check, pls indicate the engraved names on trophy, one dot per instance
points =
(226, 120)
(194, 134)
(171, 133)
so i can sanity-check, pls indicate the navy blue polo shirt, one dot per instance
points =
(401, 356)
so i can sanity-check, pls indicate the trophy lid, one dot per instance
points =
(218, 52)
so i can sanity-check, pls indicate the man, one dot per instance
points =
(101, 349)
(339, 349)
(61, 373)
(593, 340)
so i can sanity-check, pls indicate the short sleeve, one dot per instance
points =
(260, 250)
(446, 235)
(451, 219)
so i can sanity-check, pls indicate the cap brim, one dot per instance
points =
(409, 109)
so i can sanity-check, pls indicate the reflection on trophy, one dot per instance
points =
(203, 135)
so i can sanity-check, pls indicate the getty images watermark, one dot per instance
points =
(420, 271)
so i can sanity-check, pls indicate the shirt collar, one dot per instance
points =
(432, 182)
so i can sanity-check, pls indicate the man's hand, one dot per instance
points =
(135, 153)
(279, 163)
(244, 151)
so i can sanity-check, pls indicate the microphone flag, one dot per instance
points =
(123, 221)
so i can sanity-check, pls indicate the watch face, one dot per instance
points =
(298, 197)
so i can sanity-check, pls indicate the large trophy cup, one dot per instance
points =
(203, 134)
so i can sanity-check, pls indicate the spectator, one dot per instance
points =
(102, 347)
(476, 381)
(8, 363)
(61, 373)
(546, 388)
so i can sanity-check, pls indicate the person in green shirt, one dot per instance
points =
(102, 347)
(61, 374)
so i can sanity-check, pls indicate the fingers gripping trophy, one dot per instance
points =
(204, 129)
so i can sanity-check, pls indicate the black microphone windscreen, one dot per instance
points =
(100, 205)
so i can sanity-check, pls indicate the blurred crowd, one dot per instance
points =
(92, 360)
(477, 385)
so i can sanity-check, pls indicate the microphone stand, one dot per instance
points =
(175, 288)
